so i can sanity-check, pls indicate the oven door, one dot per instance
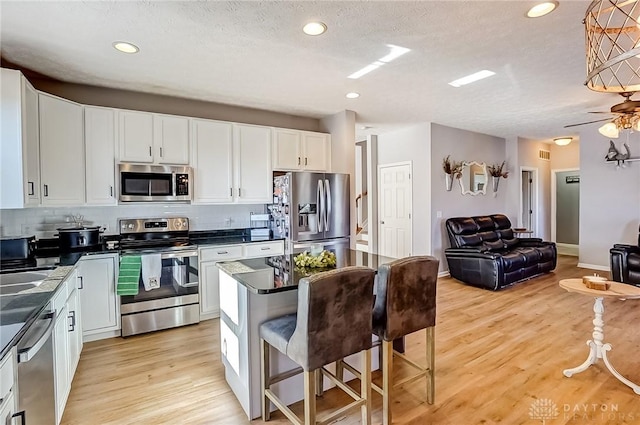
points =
(178, 285)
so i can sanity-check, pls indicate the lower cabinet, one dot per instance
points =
(67, 339)
(7, 388)
(209, 276)
(97, 288)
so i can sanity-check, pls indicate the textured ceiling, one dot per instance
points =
(254, 54)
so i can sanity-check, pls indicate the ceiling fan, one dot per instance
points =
(624, 115)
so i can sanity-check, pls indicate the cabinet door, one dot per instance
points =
(286, 150)
(98, 297)
(209, 296)
(7, 410)
(61, 151)
(100, 145)
(252, 163)
(61, 361)
(74, 320)
(31, 143)
(212, 161)
(316, 148)
(171, 139)
(136, 136)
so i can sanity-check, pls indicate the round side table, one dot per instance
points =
(597, 348)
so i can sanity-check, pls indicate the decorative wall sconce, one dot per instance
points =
(496, 171)
(451, 169)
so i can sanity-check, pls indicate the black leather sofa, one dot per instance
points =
(625, 263)
(485, 253)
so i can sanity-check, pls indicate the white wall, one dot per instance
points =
(467, 146)
(412, 144)
(609, 198)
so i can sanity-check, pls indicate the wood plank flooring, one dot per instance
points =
(497, 353)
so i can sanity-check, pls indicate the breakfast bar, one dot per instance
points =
(253, 291)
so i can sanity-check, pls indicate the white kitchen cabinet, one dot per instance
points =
(8, 387)
(209, 291)
(253, 179)
(153, 138)
(61, 151)
(295, 150)
(20, 158)
(100, 155)
(74, 316)
(212, 161)
(171, 139)
(98, 298)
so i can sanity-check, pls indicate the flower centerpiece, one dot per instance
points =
(497, 171)
(451, 169)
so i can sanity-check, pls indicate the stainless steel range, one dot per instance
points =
(168, 287)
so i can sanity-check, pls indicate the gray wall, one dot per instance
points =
(609, 197)
(528, 157)
(468, 146)
(567, 208)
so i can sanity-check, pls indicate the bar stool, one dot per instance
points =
(405, 303)
(333, 321)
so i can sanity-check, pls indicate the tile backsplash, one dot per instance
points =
(43, 222)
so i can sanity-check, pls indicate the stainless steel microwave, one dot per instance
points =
(154, 183)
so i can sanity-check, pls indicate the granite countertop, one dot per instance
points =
(279, 273)
(18, 311)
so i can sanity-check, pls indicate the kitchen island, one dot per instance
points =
(253, 291)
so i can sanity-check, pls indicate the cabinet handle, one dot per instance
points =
(298, 160)
(224, 347)
(72, 316)
(160, 151)
(230, 191)
(32, 188)
(266, 248)
(21, 414)
(239, 193)
(81, 282)
(222, 252)
(46, 190)
(111, 191)
(305, 160)
(150, 151)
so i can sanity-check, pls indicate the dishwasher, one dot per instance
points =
(36, 397)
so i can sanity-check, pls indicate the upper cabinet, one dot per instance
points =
(301, 150)
(153, 138)
(61, 151)
(20, 159)
(253, 178)
(100, 149)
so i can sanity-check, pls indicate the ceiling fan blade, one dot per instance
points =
(600, 112)
(588, 122)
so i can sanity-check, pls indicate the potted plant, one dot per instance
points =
(451, 169)
(496, 171)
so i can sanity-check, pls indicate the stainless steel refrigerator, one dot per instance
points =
(311, 208)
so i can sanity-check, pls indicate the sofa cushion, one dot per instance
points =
(513, 261)
(510, 243)
(633, 262)
(492, 245)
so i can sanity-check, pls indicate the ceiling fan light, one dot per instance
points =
(609, 130)
(563, 141)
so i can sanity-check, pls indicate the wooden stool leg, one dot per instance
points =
(387, 381)
(340, 370)
(319, 383)
(431, 363)
(265, 377)
(365, 387)
(309, 397)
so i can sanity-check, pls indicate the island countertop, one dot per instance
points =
(279, 273)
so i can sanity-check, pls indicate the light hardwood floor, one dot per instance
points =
(497, 353)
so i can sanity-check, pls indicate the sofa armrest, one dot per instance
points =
(472, 253)
(625, 248)
(530, 241)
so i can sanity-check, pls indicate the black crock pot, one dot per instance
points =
(70, 238)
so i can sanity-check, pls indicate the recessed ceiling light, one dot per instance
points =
(314, 28)
(542, 9)
(352, 95)
(472, 78)
(125, 47)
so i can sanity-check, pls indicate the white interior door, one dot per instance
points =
(395, 195)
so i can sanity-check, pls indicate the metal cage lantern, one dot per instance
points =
(613, 46)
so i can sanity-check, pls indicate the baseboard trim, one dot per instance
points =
(100, 335)
(568, 249)
(594, 267)
(444, 274)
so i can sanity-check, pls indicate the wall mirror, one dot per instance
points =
(474, 178)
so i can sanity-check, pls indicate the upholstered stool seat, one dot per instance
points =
(333, 321)
(405, 302)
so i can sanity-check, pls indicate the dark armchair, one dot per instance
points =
(625, 263)
(485, 253)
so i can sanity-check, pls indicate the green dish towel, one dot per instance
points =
(129, 275)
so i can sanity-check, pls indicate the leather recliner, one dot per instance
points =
(625, 263)
(485, 253)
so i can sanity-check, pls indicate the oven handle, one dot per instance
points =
(179, 254)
